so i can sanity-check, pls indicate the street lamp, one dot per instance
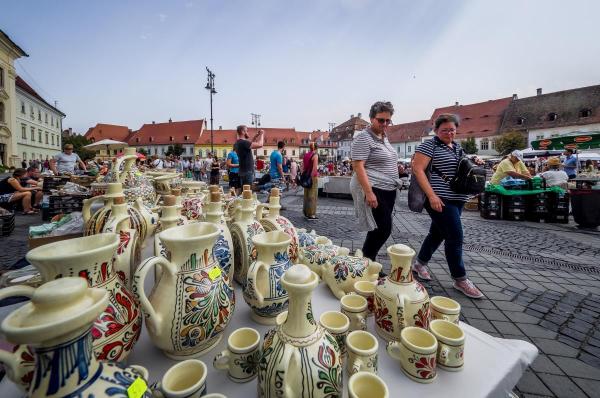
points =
(210, 86)
(255, 120)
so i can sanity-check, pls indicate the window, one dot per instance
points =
(224, 152)
(31, 112)
(156, 151)
(1, 112)
(23, 131)
(398, 150)
(539, 137)
(47, 137)
(52, 139)
(137, 139)
(493, 144)
(187, 137)
(265, 152)
(409, 149)
(255, 152)
(171, 138)
(293, 152)
(39, 136)
(484, 145)
(23, 107)
(46, 117)
(1, 77)
(24, 155)
(151, 139)
(520, 121)
(585, 113)
(554, 135)
(33, 134)
(162, 150)
(552, 116)
(39, 115)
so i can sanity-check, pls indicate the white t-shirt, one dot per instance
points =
(66, 163)
(158, 164)
(555, 177)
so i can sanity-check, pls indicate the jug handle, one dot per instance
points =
(9, 359)
(293, 358)
(252, 273)
(87, 205)
(394, 349)
(259, 210)
(138, 287)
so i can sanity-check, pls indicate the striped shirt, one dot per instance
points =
(445, 160)
(378, 154)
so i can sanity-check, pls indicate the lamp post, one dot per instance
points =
(255, 120)
(210, 86)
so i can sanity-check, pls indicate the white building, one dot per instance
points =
(39, 125)
(406, 137)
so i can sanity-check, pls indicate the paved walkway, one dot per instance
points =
(542, 283)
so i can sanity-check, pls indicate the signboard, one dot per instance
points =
(588, 140)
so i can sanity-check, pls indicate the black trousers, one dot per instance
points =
(383, 218)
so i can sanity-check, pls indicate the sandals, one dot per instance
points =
(30, 212)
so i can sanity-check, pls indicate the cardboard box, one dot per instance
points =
(36, 242)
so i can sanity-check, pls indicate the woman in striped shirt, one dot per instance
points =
(440, 156)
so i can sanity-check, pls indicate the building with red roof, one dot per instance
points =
(156, 138)
(103, 131)
(406, 136)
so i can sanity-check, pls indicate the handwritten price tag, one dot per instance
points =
(137, 388)
(214, 273)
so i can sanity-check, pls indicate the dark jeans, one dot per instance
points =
(383, 218)
(445, 226)
(246, 177)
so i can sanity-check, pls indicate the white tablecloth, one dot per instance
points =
(493, 366)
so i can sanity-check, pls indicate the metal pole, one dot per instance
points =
(211, 125)
(210, 85)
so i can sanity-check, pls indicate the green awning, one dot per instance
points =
(589, 140)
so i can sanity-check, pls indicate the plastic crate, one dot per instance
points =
(7, 224)
(489, 200)
(54, 182)
(66, 204)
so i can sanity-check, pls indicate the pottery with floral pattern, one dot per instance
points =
(451, 344)
(416, 351)
(317, 255)
(192, 303)
(274, 221)
(300, 358)
(242, 232)
(400, 301)
(136, 185)
(223, 248)
(57, 323)
(341, 272)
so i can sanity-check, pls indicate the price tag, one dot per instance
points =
(214, 273)
(137, 388)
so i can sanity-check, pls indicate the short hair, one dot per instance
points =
(32, 168)
(68, 146)
(240, 128)
(19, 173)
(381, 106)
(569, 150)
(280, 144)
(447, 118)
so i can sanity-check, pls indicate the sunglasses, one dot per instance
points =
(381, 120)
(448, 131)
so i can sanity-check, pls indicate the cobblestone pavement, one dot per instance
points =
(542, 283)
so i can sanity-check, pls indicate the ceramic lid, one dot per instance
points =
(56, 308)
(400, 249)
(114, 190)
(298, 274)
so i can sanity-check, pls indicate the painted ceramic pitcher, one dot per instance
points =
(242, 232)
(223, 249)
(135, 183)
(192, 303)
(170, 216)
(341, 272)
(274, 221)
(400, 300)
(57, 323)
(263, 291)
(300, 358)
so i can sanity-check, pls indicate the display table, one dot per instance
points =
(493, 366)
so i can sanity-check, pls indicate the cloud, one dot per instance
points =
(145, 36)
(162, 17)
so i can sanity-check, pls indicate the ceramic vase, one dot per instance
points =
(192, 303)
(341, 272)
(400, 301)
(136, 185)
(223, 248)
(242, 232)
(263, 291)
(57, 323)
(170, 217)
(273, 221)
(300, 358)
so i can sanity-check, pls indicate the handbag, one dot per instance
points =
(416, 196)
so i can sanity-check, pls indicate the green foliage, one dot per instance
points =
(469, 146)
(176, 150)
(143, 151)
(510, 141)
(78, 142)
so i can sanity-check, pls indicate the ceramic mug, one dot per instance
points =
(338, 325)
(367, 290)
(367, 385)
(362, 352)
(355, 308)
(451, 344)
(416, 351)
(186, 379)
(242, 355)
(444, 308)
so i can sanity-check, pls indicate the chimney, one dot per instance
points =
(170, 120)
(352, 116)
(153, 122)
(359, 115)
(515, 97)
(456, 103)
(539, 91)
(220, 127)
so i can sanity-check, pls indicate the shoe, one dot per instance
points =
(313, 218)
(468, 289)
(421, 271)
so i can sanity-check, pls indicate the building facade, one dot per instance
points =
(343, 134)
(9, 52)
(156, 138)
(39, 125)
(406, 137)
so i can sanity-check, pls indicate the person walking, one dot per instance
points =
(197, 167)
(310, 165)
(215, 171)
(375, 178)
(294, 173)
(243, 147)
(233, 167)
(441, 155)
(276, 166)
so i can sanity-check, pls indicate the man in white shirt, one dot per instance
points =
(554, 176)
(158, 163)
(64, 162)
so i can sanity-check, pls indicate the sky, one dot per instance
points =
(300, 64)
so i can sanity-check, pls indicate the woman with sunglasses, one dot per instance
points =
(375, 178)
(440, 156)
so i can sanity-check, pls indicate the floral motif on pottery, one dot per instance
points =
(316, 256)
(242, 234)
(342, 271)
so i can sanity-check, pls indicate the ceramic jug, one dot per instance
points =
(342, 271)
(274, 221)
(129, 250)
(164, 182)
(300, 358)
(263, 291)
(223, 248)
(242, 232)
(170, 217)
(400, 301)
(57, 323)
(142, 218)
(316, 255)
(136, 185)
(92, 258)
(192, 302)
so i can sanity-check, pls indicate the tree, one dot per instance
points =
(510, 141)
(78, 142)
(143, 151)
(176, 150)
(469, 146)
